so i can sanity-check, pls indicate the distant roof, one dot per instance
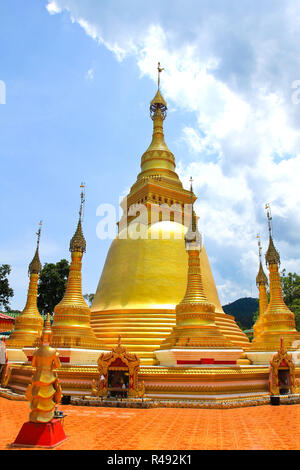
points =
(5, 317)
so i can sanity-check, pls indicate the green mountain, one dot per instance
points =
(243, 311)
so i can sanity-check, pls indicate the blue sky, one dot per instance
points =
(79, 77)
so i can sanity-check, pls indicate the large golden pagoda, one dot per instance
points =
(71, 322)
(277, 321)
(144, 278)
(140, 294)
(261, 282)
(29, 324)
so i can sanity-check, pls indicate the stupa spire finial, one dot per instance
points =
(193, 235)
(259, 246)
(269, 216)
(35, 266)
(272, 255)
(39, 233)
(158, 106)
(82, 201)
(78, 242)
(159, 69)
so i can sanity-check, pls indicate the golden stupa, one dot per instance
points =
(157, 291)
(29, 324)
(277, 320)
(144, 277)
(71, 321)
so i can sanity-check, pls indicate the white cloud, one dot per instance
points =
(90, 74)
(53, 8)
(244, 144)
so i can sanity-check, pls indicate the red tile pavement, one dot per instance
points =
(260, 427)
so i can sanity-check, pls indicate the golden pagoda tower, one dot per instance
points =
(196, 337)
(144, 277)
(72, 333)
(29, 324)
(277, 321)
(261, 282)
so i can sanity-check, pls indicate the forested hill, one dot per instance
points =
(243, 311)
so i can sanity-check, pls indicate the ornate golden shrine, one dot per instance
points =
(128, 365)
(282, 362)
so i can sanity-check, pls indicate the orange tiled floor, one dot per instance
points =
(261, 427)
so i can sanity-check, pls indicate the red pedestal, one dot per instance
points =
(47, 435)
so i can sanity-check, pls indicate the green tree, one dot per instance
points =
(89, 298)
(5, 291)
(52, 285)
(255, 316)
(291, 293)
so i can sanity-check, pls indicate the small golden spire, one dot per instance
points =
(195, 314)
(78, 242)
(276, 320)
(272, 255)
(71, 321)
(35, 266)
(261, 277)
(29, 324)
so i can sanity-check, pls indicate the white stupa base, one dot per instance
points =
(197, 357)
(260, 357)
(73, 356)
(264, 357)
(296, 357)
(16, 355)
